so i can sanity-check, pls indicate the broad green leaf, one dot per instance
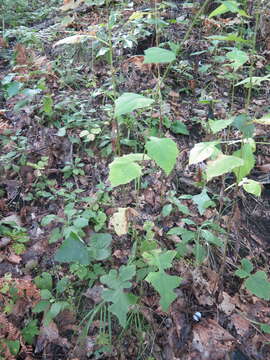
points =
(166, 210)
(203, 201)
(158, 55)
(162, 260)
(46, 220)
(237, 58)
(81, 222)
(202, 151)
(45, 294)
(243, 123)
(13, 346)
(245, 269)
(163, 151)
(251, 186)
(44, 281)
(122, 171)
(265, 328)
(222, 165)
(178, 127)
(14, 88)
(99, 246)
(199, 253)
(258, 285)
(72, 250)
(129, 102)
(186, 235)
(246, 154)
(134, 157)
(30, 331)
(211, 238)
(164, 284)
(41, 306)
(117, 282)
(218, 125)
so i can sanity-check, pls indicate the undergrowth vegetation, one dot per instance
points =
(134, 184)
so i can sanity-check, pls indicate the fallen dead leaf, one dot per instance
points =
(240, 323)
(227, 305)
(14, 259)
(211, 340)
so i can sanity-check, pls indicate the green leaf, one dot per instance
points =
(62, 285)
(81, 222)
(199, 253)
(245, 269)
(122, 171)
(243, 123)
(14, 88)
(99, 247)
(211, 238)
(158, 55)
(178, 127)
(218, 125)
(202, 151)
(246, 154)
(72, 250)
(203, 201)
(48, 105)
(163, 151)
(116, 282)
(229, 37)
(164, 284)
(44, 281)
(251, 186)
(42, 306)
(166, 210)
(222, 165)
(30, 331)
(46, 220)
(129, 102)
(14, 346)
(265, 328)
(258, 285)
(186, 235)
(45, 294)
(237, 58)
(161, 260)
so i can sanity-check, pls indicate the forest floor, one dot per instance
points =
(67, 234)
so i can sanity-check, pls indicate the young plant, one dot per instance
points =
(50, 303)
(115, 294)
(163, 283)
(257, 283)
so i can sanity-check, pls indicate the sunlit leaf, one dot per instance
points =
(129, 102)
(158, 55)
(222, 165)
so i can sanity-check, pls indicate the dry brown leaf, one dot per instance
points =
(211, 340)
(14, 259)
(240, 323)
(227, 305)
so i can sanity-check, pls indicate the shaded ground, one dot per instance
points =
(50, 166)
